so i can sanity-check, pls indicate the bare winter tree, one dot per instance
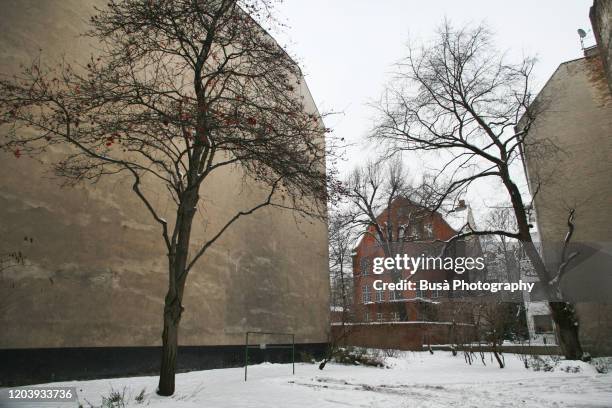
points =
(341, 244)
(504, 249)
(179, 90)
(373, 191)
(459, 98)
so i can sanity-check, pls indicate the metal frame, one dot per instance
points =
(247, 346)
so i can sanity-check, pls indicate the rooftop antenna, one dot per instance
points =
(581, 34)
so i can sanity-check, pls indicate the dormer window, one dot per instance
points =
(428, 230)
(413, 230)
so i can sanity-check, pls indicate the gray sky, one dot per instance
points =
(347, 47)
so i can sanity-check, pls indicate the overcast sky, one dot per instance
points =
(346, 48)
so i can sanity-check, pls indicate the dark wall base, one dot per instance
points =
(35, 366)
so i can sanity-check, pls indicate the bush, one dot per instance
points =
(571, 369)
(551, 363)
(358, 356)
(542, 363)
(115, 399)
(140, 397)
(603, 365)
(391, 352)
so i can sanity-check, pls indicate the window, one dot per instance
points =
(413, 230)
(379, 317)
(366, 295)
(380, 296)
(435, 293)
(396, 295)
(542, 324)
(365, 266)
(420, 293)
(428, 230)
(366, 317)
(395, 316)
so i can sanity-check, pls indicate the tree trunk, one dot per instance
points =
(562, 312)
(567, 327)
(500, 362)
(173, 307)
(172, 317)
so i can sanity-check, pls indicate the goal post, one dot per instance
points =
(264, 346)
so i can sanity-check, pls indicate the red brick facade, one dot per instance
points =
(382, 306)
(402, 335)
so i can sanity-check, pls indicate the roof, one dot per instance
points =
(459, 219)
(456, 219)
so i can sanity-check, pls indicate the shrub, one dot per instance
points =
(140, 397)
(603, 365)
(541, 363)
(115, 399)
(358, 356)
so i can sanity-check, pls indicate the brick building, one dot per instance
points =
(419, 232)
(407, 319)
(372, 305)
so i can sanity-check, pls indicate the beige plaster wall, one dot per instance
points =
(95, 273)
(578, 120)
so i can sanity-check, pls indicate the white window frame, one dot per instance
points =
(364, 266)
(366, 294)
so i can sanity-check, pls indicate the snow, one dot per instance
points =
(415, 299)
(399, 323)
(412, 380)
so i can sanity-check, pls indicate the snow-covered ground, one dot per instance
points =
(413, 380)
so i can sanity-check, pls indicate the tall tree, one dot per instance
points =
(372, 192)
(458, 97)
(179, 90)
(341, 244)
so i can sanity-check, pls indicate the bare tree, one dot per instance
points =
(179, 90)
(373, 192)
(495, 321)
(341, 244)
(459, 98)
(503, 252)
